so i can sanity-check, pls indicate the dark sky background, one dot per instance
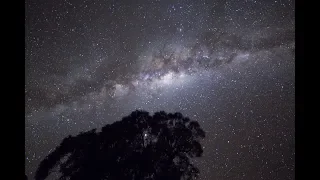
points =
(227, 64)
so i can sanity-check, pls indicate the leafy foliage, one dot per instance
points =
(139, 146)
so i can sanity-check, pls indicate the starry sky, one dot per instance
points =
(229, 64)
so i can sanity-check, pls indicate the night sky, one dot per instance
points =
(227, 64)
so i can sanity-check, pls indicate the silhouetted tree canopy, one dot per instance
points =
(138, 147)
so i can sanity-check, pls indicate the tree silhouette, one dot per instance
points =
(139, 146)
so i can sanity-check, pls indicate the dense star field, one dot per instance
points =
(227, 64)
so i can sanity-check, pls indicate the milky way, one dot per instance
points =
(227, 64)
